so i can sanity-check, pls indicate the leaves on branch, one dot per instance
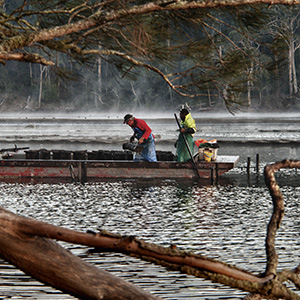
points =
(207, 44)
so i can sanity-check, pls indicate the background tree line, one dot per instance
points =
(255, 55)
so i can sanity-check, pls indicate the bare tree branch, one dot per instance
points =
(127, 35)
(271, 285)
(26, 57)
(26, 244)
(278, 211)
(50, 263)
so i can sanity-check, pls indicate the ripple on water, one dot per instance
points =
(223, 222)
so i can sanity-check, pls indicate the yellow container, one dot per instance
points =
(201, 153)
(208, 154)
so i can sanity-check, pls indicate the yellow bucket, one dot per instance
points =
(208, 154)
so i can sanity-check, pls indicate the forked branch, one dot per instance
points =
(27, 244)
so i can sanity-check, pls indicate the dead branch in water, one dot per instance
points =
(27, 244)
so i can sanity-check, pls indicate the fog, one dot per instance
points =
(240, 134)
(236, 116)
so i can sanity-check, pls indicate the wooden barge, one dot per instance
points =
(83, 166)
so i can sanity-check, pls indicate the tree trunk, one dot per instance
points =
(249, 85)
(42, 70)
(290, 71)
(295, 83)
(48, 262)
(98, 94)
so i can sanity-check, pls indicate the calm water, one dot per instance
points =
(226, 221)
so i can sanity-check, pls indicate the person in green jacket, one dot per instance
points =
(188, 128)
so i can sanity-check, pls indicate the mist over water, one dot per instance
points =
(225, 221)
(236, 133)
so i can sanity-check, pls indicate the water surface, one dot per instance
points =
(226, 221)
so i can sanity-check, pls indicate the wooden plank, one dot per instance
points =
(86, 170)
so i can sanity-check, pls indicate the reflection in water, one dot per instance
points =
(226, 222)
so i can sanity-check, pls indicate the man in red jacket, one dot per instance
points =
(143, 133)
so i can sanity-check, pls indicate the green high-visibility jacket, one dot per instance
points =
(182, 151)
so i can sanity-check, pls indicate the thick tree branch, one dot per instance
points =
(48, 262)
(100, 18)
(278, 211)
(107, 241)
(118, 27)
(26, 57)
(25, 243)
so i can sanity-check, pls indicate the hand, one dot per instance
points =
(182, 130)
(141, 140)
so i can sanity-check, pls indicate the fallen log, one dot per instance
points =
(27, 244)
(106, 241)
(48, 262)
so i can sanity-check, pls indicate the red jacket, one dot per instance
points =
(142, 125)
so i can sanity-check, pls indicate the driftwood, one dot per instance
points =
(24, 246)
(27, 244)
